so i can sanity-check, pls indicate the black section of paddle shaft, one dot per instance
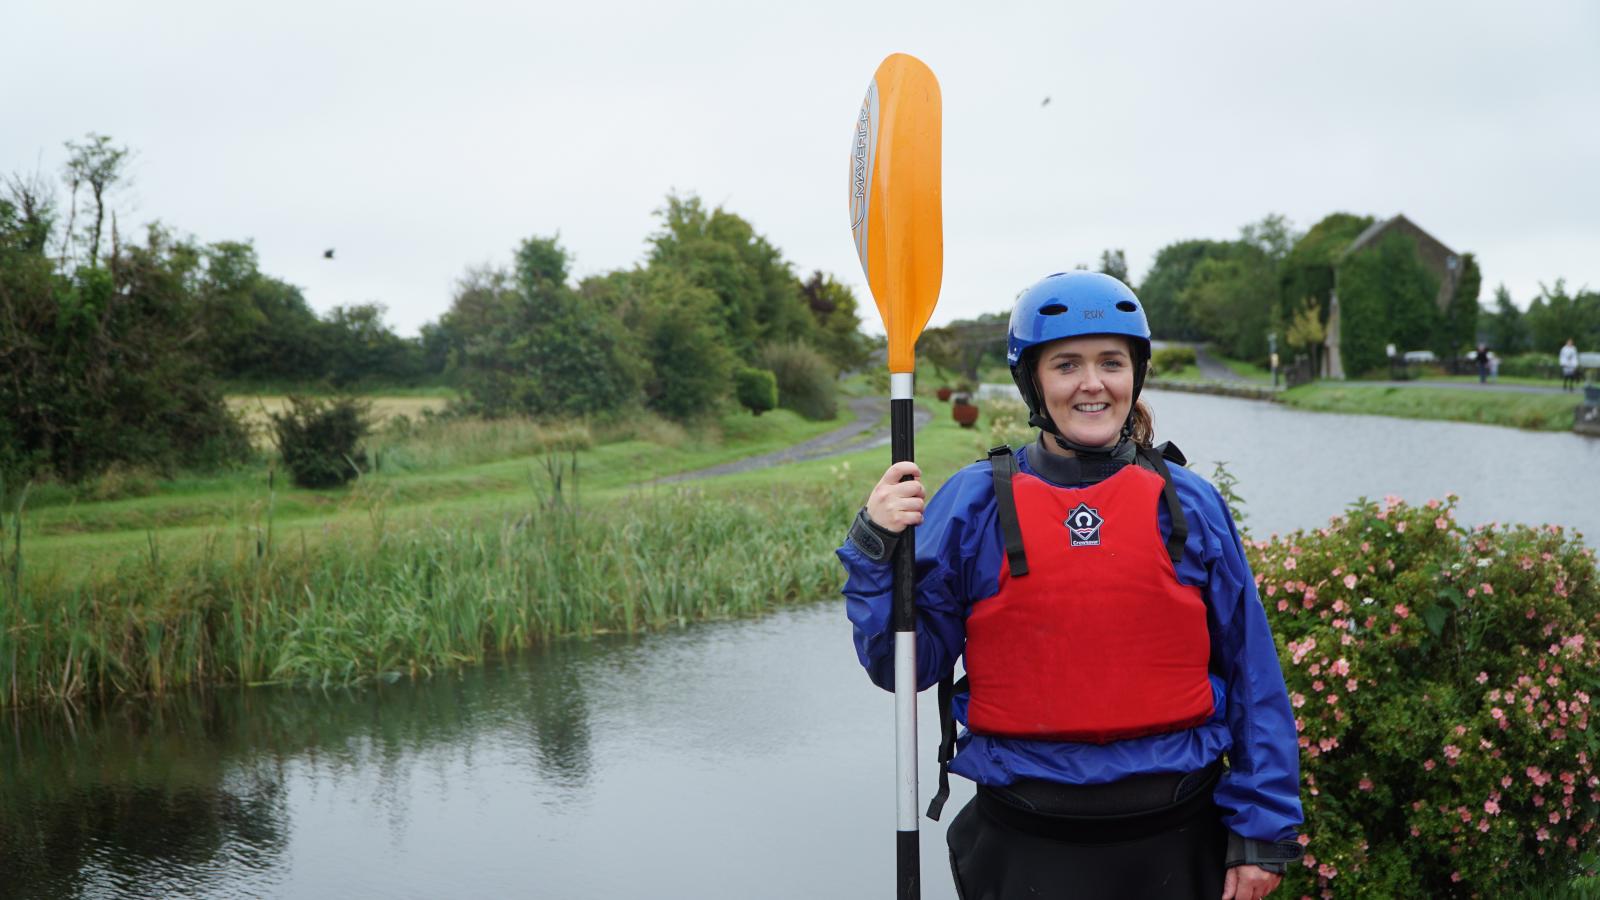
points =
(908, 871)
(902, 434)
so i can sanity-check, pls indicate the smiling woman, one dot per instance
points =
(1087, 387)
(1107, 620)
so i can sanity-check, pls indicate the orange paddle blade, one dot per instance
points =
(895, 205)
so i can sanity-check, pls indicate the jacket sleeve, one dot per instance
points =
(1260, 791)
(956, 529)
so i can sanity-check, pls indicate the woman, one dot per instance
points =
(1114, 644)
(1568, 358)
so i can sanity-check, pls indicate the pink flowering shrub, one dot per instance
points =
(1441, 679)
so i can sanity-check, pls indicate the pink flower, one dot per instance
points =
(1482, 677)
(1333, 699)
(1289, 564)
(1483, 824)
(1297, 700)
(1497, 713)
(1340, 667)
(1486, 588)
(1440, 523)
(1491, 807)
(1542, 834)
(1400, 527)
(1455, 876)
(1350, 582)
(1350, 685)
(1451, 751)
(1427, 765)
(1555, 817)
(1401, 610)
(1365, 784)
(1283, 606)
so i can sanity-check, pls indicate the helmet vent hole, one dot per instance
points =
(1127, 306)
(1054, 309)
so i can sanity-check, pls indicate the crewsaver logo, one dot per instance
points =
(1083, 523)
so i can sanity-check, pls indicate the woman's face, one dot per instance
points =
(1087, 387)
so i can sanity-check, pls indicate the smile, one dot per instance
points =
(1091, 407)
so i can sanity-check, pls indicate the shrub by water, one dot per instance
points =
(1441, 679)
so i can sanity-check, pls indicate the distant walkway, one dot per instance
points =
(860, 434)
(1211, 368)
(1471, 386)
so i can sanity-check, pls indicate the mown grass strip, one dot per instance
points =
(1516, 409)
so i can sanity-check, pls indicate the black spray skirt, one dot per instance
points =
(1155, 836)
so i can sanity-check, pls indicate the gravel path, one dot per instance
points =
(860, 434)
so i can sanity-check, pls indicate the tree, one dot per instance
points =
(1115, 264)
(1504, 329)
(531, 345)
(257, 326)
(1307, 270)
(1458, 327)
(1165, 282)
(97, 165)
(1230, 297)
(104, 365)
(1274, 236)
(1556, 315)
(838, 326)
(758, 298)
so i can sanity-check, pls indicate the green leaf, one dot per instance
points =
(1435, 616)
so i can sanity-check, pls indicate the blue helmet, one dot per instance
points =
(1073, 304)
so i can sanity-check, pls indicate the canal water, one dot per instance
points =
(735, 760)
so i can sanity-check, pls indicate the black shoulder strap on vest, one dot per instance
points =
(1155, 459)
(1005, 465)
(947, 742)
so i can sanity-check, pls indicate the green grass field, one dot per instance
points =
(468, 537)
(1536, 412)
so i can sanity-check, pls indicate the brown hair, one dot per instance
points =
(1144, 425)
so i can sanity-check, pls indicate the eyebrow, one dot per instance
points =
(1070, 354)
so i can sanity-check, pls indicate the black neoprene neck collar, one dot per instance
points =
(1067, 471)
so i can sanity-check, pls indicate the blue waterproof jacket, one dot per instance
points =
(959, 550)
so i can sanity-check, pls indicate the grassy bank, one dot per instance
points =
(1537, 412)
(465, 542)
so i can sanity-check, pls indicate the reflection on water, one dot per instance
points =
(735, 760)
(192, 793)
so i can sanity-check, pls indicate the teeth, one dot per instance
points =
(1091, 407)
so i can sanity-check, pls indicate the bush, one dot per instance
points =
(1008, 424)
(1171, 359)
(806, 382)
(1530, 365)
(757, 389)
(1441, 678)
(320, 439)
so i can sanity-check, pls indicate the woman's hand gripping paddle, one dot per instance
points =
(895, 215)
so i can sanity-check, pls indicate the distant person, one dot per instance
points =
(1569, 365)
(1482, 359)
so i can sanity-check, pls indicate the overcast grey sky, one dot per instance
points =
(421, 138)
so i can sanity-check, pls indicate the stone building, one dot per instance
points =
(1443, 262)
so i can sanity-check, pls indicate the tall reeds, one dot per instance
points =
(341, 607)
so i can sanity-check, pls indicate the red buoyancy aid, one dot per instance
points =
(1099, 641)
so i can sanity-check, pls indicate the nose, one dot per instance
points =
(1091, 380)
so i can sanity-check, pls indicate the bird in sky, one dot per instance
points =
(1046, 102)
(328, 253)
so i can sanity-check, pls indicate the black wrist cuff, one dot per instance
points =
(874, 542)
(1273, 856)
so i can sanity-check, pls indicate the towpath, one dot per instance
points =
(868, 429)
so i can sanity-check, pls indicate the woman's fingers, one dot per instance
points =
(896, 503)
